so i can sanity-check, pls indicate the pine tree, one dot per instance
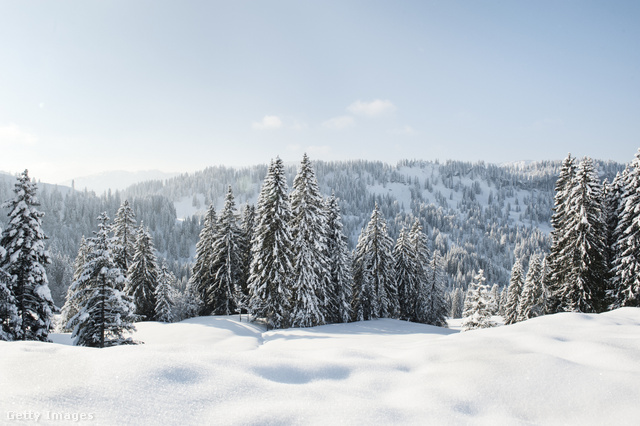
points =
(164, 295)
(23, 261)
(514, 293)
(477, 310)
(495, 299)
(560, 265)
(584, 287)
(434, 307)
(531, 300)
(105, 313)
(124, 232)
(409, 278)
(341, 282)
(272, 251)
(311, 275)
(247, 226)
(626, 265)
(375, 292)
(457, 303)
(201, 274)
(143, 276)
(225, 292)
(70, 309)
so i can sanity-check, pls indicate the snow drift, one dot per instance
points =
(559, 369)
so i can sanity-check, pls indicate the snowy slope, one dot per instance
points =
(560, 369)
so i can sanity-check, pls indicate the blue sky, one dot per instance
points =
(180, 85)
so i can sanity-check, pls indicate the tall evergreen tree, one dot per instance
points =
(531, 302)
(311, 276)
(514, 293)
(225, 292)
(457, 303)
(105, 313)
(340, 289)
(584, 287)
(477, 310)
(165, 295)
(409, 278)
(142, 278)
(23, 261)
(201, 274)
(375, 292)
(70, 308)
(434, 305)
(560, 265)
(247, 226)
(625, 289)
(124, 232)
(272, 251)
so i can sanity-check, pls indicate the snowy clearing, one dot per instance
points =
(558, 369)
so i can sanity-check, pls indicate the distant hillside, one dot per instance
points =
(115, 180)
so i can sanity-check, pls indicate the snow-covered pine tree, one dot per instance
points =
(409, 278)
(8, 311)
(105, 313)
(434, 305)
(560, 265)
(272, 251)
(531, 302)
(23, 261)
(225, 293)
(142, 278)
(514, 293)
(124, 232)
(625, 289)
(311, 276)
(495, 299)
(70, 308)
(426, 305)
(339, 265)
(165, 294)
(477, 309)
(457, 303)
(247, 225)
(584, 287)
(375, 292)
(201, 276)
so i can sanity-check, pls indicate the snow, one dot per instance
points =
(560, 369)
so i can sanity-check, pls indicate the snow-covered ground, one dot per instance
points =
(560, 369)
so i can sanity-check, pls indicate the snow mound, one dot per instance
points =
(558, 369)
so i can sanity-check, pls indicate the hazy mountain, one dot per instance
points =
(115, 180)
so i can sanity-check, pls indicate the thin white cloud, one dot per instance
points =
(12, 135)
(375, 108)
(339, 123)
(268, 122)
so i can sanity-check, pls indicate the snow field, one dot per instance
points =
(559, 369)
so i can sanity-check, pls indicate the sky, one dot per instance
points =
(92, 86)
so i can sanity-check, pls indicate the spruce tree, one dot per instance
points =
(165, 303)
(457, 303)
(225, 292)
(477, 309)
(247, 226)
(272, 251)
(375, 292)
(434, 305)
(341, 283)
(124, 232)
(201, 274)
(409, 278)
(583, 289)
(531, 300)
(311, 276)
(625, 289)
(559, 264)
(514, 293)
(23, 261)
(70, 309)
(142, 278)
(105, 313)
